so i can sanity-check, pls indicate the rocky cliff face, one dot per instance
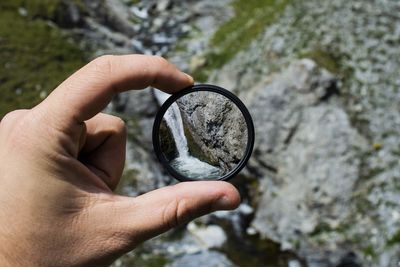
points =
(217, 126)
(327, 151)
(308, 155)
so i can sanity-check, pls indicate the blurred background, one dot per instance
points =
(321, 80)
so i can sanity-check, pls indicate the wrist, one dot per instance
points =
(7, 257)
(15, 251)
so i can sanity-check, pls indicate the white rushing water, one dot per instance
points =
(185, 164)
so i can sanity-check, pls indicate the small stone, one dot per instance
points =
(197, 62)
(139, 12)
(245, 209)
(18, 91)
(251, 231)
(294, 263)
(211, 236)
(163, 5)
(23, 12)
(43, 94)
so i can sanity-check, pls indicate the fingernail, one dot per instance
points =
(222, 203)
(190, 78)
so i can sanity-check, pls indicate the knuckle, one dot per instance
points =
(169, 219)
(177, 212)
(161, 61)
(12, 117)
(120, 127)
(120, 124)
(103, 64)
(17, 127)
(116, 123)
(184, 213)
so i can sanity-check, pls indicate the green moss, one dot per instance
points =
(325, 59)
(321, 228)
(395, 239)
(43, 9)
(250, 19)
(152, 261)
(134, 2)
(370, 251)
(36, 57)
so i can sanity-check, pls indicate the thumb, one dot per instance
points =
(153, 213)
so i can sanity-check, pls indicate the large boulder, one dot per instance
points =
(312, 149)
(216, 125)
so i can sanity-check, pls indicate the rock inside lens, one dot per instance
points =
(203, 135)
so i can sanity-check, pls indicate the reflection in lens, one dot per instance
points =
(203, 135)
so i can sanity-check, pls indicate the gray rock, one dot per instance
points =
(69, 15)
(211, 236)
(136, 103)
(217, 127)
(358, 42)
(308, 153)
(313, 149)
(204, 258)
(118, 17)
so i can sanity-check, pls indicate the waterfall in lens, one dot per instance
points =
(185, 164)
(174, 122)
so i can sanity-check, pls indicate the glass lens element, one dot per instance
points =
(203, 135)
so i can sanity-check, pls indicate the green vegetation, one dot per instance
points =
(321, 228)
(250, 20)
(325, 59)
(395, 239)
(43, 9)
(152, 261)
(36, 56)
(252, 250)
(370, 251)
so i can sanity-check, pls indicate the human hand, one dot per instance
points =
(61, 161)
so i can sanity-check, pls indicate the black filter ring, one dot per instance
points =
(210, 88)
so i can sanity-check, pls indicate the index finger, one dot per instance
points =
(90, 89)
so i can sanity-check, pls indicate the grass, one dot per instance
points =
(325, 59)
(43, 9)
(395, 239)
(36, 55)
(250, 20)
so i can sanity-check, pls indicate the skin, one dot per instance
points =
(61, 161)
